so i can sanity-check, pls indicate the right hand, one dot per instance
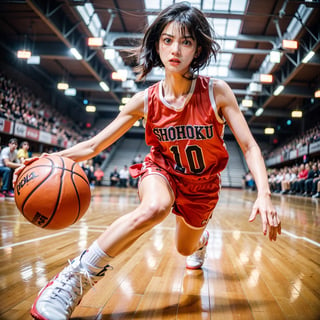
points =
(26, 162)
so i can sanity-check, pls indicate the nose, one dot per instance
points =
(175, 48)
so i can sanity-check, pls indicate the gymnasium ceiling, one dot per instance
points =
(247, 30)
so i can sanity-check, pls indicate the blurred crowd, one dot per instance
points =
(310, 136)
(303, 179)
(18, 103)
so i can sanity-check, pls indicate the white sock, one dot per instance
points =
(94, 259)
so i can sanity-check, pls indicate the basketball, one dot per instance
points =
(52, 192)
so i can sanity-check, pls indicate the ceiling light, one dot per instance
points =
(269, 131)
(247, 103)
(120, 75)
(91, 108)
(62, 86)
(275, 56)
(278, 90)
(259, 112)
(95, 42)
(266, 78)
(76, 53)
(121, 106)
(290, 44)
(296, 114)
(317, 93)
(255, 87)
(137, 124)
(104, 86)
(70, 92)
(109, 54)
(34, 60)
(127, 84)
(23, 54)
(308, 57)
(125, 100)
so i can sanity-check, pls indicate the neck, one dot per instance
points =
(176, 85)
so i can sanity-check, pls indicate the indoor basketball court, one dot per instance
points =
(245, 276)
(67, 69)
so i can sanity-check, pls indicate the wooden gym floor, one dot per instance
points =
(245, 276)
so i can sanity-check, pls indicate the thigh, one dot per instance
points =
(156, 192)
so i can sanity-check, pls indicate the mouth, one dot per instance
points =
(174, 61)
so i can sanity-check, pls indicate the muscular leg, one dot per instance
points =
(156, 202)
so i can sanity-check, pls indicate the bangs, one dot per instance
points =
(184, 27)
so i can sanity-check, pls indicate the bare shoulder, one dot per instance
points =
(135, 104)
(221, 87)
(223, 94)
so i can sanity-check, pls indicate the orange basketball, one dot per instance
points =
(52, 192)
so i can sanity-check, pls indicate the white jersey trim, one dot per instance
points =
(213, 102)
(145, 107)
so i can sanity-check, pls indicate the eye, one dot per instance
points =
(166, 40)
(187, 42)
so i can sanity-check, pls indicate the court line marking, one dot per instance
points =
(35, 239)
(300, 238)
(76, 228)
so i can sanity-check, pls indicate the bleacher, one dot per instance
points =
(124, 151)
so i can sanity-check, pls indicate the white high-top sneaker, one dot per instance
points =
(58, 299)
(196, 260)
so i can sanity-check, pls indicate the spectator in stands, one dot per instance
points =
(98, 174)
(137, 159)
(272, 179)
(89, 170)
(124, 177)
(250, 184)
(8, 162)
(317, 194)
(114, 177)
(289, 176)
(278, 180)
(302, 175)
(316, 179)
(312, 174)
(23, 152)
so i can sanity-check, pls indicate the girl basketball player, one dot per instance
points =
(184, 117)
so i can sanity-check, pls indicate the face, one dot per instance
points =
(176, 50)
(13, 146)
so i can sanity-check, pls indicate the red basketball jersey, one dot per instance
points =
(186, 141)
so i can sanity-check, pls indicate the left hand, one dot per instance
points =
(270, 220)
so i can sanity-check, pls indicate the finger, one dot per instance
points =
(264, 223)
(30, 160)
(279, 227)
(16, 174)
(271, 233)
(253, 215)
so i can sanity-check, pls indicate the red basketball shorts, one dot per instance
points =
(194, 200)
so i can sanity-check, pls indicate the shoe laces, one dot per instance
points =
(72, 283)
(200, 254)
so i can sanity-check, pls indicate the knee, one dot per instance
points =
(150, 215)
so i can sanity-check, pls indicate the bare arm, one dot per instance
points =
(132, 112)
(10, 164)
(228, 107)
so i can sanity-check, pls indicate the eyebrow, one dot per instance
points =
(171, 36)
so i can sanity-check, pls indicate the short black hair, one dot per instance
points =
(13, 140)
(189, 18)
